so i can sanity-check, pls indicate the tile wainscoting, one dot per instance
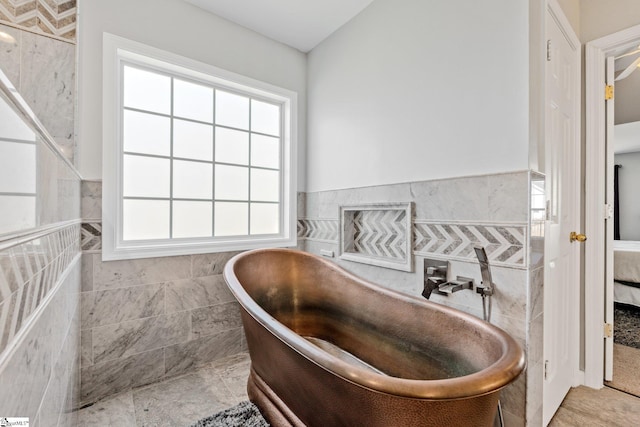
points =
(149, 319)
(146, 320)
(451, 217)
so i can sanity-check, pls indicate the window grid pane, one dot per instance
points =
(244, 153)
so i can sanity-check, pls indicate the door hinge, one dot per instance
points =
(608, 211)
(547, 210)
(608, 330)
(546, 366)
(608, 92)
(548, 50)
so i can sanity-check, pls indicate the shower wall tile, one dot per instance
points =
(86, 347)
(134, 307)
(512, 397)
(536, 292)
(114, 376)
(535, 376)
(101, 308)
(87, 272)
(10, 55)
(185, 357)
(124, 273)
(512, 420)
(91, 202)
(189, 294)
(136, 336)
(214, 319)
(508, 197)
(203, 265)
(535, 342)
(37, 373)
(40, 269)
(43, 71)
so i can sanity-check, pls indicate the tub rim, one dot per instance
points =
(491, 379)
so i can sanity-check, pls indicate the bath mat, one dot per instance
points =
(626, 325)
(244, 414)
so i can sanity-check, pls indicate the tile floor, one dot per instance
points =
(184, 400)
(178, 402)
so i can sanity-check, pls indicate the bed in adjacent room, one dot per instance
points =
(626, 272)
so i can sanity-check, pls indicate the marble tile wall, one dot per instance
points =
(43, 71)
(149, 319)
(40, 258)
(53, 17)
(535, 304)
(39, 302)
(451, 216)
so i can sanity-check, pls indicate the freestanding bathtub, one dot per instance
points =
(330, 349)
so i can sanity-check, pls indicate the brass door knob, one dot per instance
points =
(573, 237)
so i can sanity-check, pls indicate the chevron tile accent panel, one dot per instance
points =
(324, 230)
(91, 236)
(54, 17)
(29, 271)
(379, 233)
(505, 244)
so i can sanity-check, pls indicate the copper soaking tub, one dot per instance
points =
(330, 349)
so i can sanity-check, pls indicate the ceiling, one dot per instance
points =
(302, 24)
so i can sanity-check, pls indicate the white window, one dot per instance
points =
(195, 159)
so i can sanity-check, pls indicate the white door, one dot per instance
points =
(562, 169)
(608, 312)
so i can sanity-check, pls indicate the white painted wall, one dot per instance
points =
(184, 29)
(571, 9)
(629, 176)
(412, 90)
(599, 18)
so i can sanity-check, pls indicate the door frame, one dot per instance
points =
(596, 52)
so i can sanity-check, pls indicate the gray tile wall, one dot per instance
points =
(148, 319)
(39, 303)
(43, 71)
(40, 268)
(451, 216)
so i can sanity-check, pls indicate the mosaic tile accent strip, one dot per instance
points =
(54, 17)
(91, 236)
(380, 233)
(505, 244)
(324, 230)
(29, 271)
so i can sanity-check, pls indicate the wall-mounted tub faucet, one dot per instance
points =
(435, 279)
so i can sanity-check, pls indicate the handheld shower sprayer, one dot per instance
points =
(487, 281)
(486, 288)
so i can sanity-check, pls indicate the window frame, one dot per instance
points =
(117, 52)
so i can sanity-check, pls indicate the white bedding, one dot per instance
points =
(626, 294)
(626, 260)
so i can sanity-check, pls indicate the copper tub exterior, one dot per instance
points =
(330, 349)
